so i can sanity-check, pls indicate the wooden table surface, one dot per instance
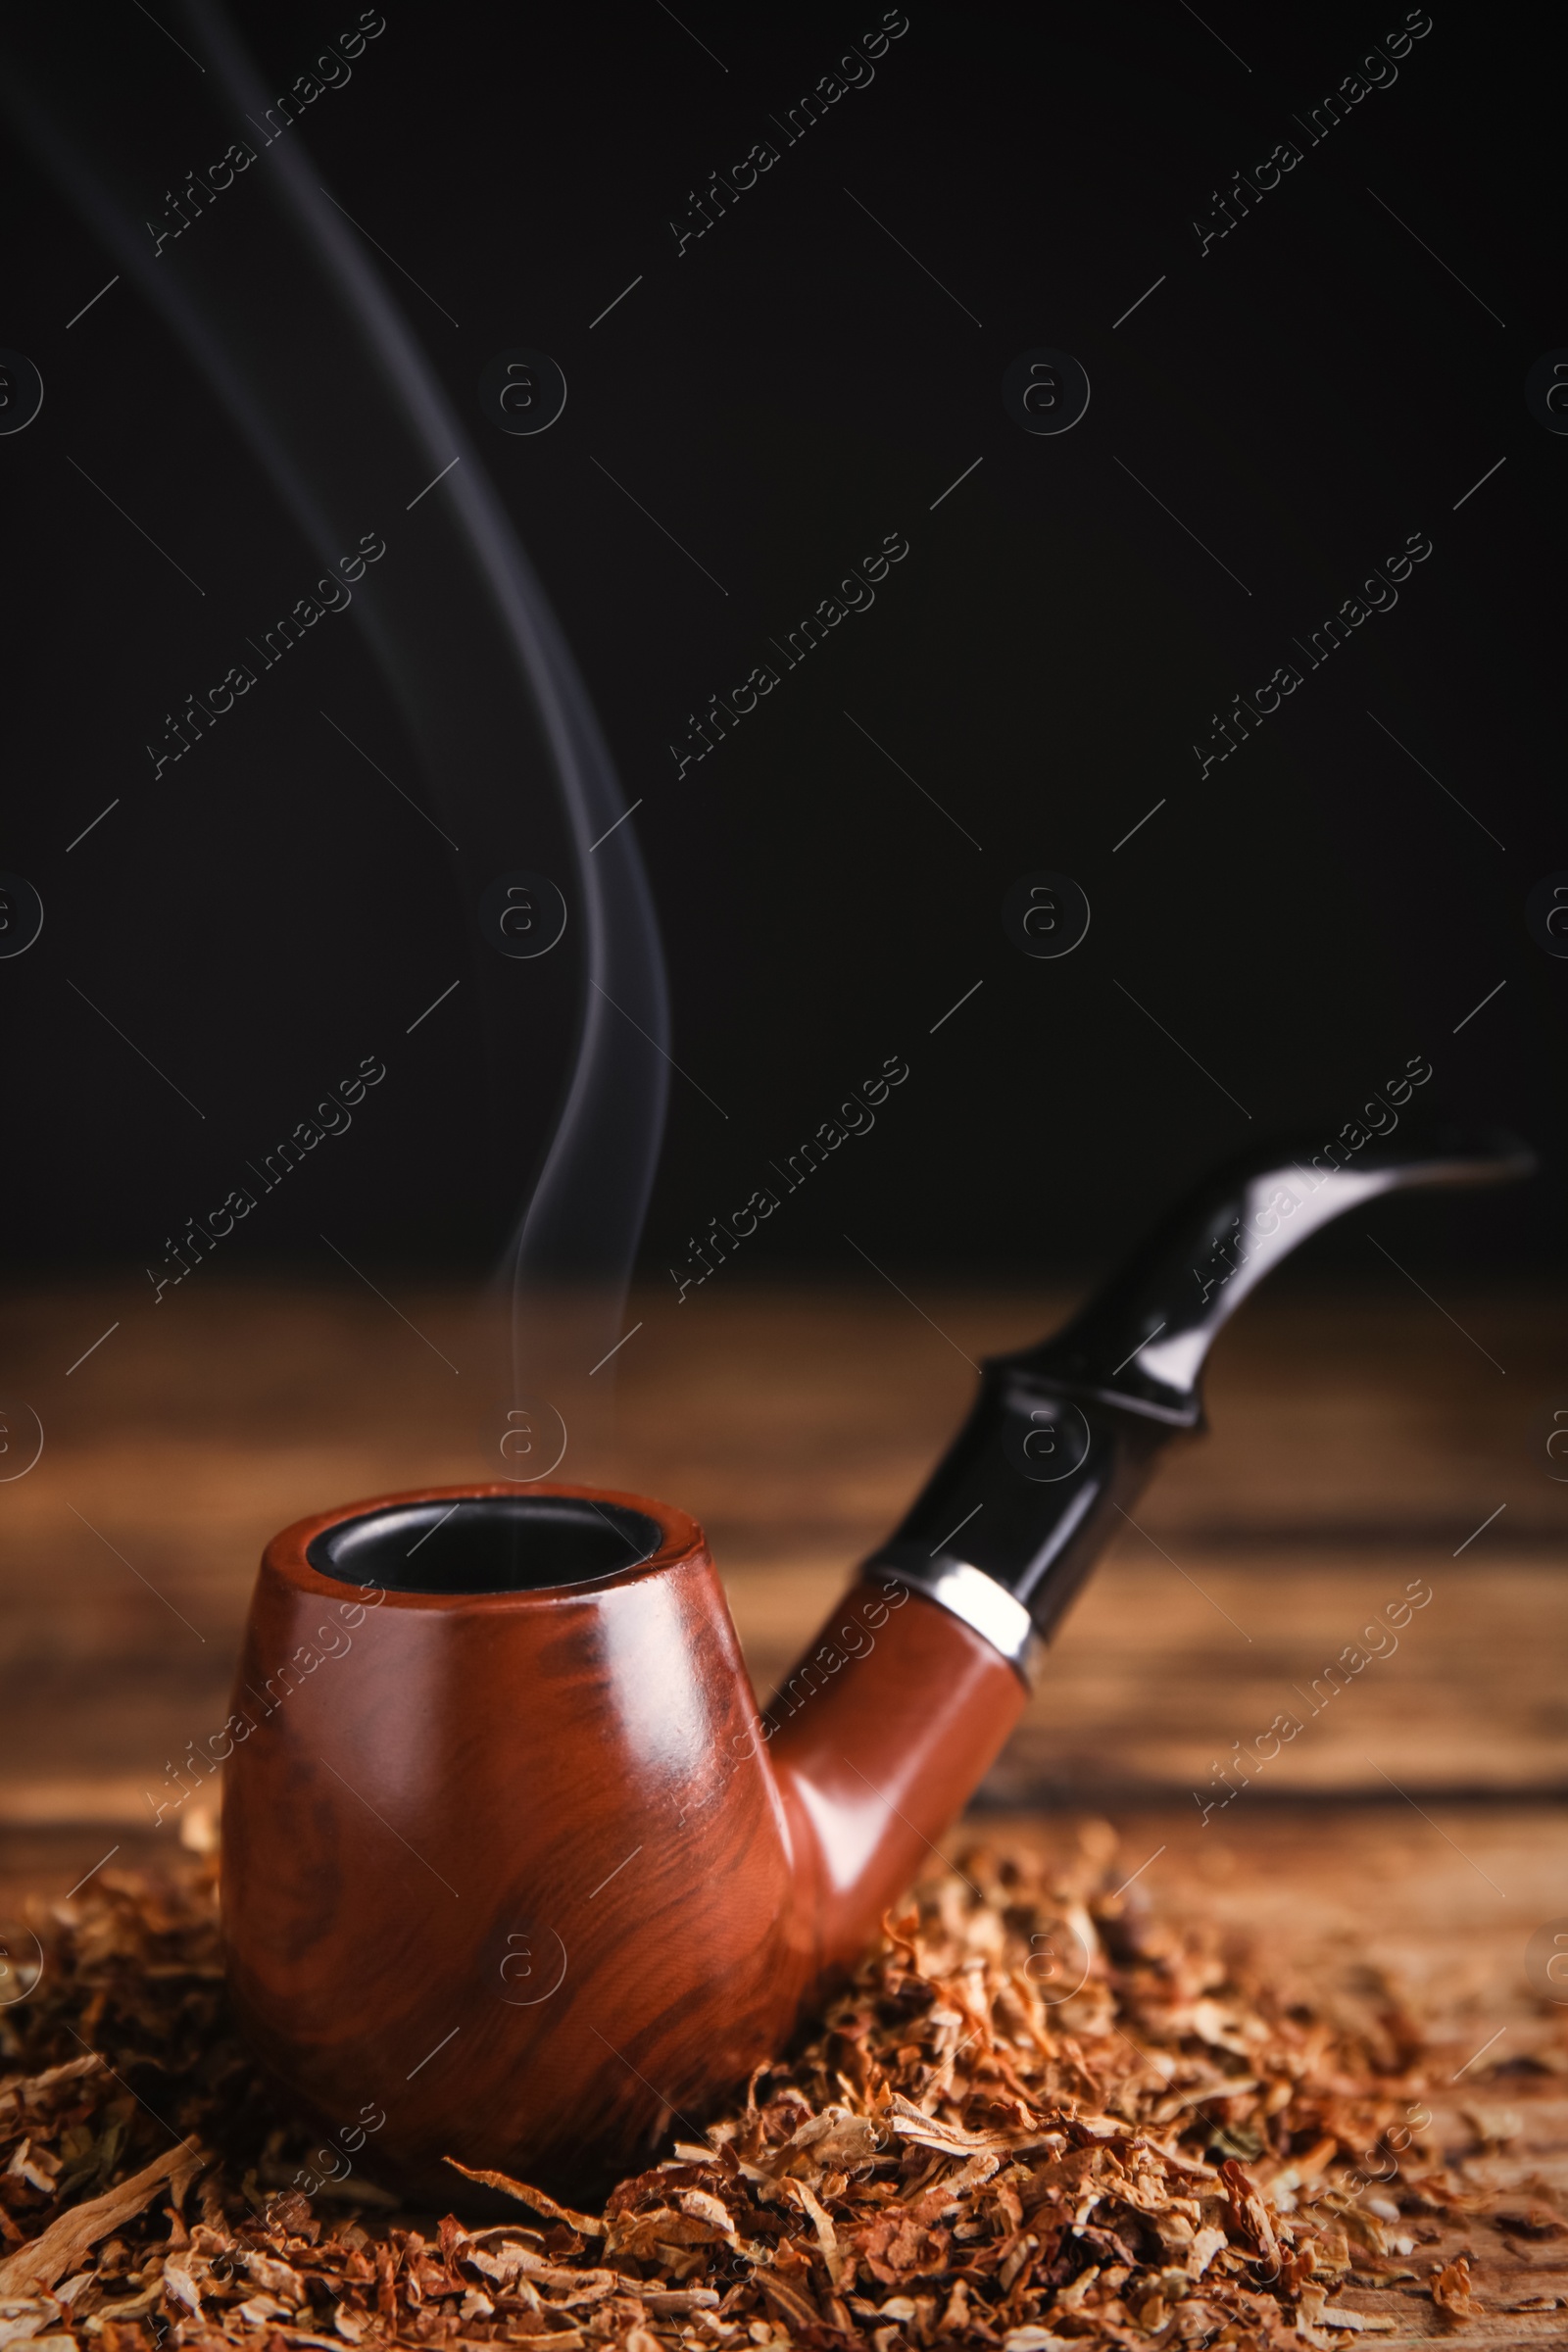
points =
(1354, 1450)
(1415, 1826)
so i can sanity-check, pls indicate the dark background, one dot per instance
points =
(793, 386)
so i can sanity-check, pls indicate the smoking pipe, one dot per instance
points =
(514, 1869)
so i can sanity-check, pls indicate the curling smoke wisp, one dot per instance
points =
(291, 323)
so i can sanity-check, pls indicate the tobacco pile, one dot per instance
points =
(975, 2149)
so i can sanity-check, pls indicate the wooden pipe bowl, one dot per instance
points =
(521, 1869)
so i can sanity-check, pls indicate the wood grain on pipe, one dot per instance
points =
(527, 1871)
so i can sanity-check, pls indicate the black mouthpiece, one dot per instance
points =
(1062, 1436)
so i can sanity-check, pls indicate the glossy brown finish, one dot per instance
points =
(875, 1757)
(526, 1871)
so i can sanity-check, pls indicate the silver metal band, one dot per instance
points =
(985, 1606)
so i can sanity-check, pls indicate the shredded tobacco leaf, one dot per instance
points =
(1039, 2115)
